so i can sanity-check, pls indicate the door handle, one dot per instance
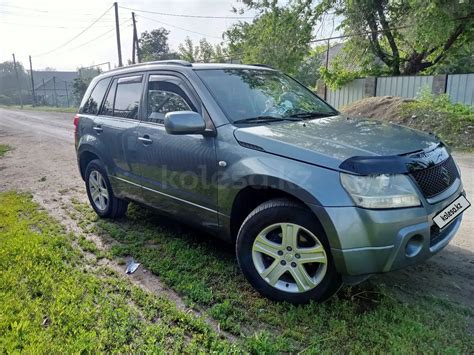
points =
(145, 139)
(98, 129)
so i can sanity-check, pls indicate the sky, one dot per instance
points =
(46, 29)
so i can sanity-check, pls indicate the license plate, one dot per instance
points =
(451, 212)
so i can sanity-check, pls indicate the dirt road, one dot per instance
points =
(43, 162)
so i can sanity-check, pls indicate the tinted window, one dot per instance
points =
(164, 97)
(249, 93)
(91, 106)
(127, 98)
(108, 107)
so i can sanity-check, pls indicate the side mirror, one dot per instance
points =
(184, 122)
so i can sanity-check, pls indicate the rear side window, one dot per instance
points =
(127, 97)
(92, 105)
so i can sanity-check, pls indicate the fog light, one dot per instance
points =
(414, 245)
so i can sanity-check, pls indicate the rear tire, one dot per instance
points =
(99, 191)
(284, 253)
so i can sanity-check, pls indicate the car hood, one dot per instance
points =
(331, 140)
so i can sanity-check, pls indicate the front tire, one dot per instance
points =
(99, 191)
(283, 252)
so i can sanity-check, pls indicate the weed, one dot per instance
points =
(204, 272)
(3, 149)
(52, 303)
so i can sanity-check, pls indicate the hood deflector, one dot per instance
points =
(395, 164)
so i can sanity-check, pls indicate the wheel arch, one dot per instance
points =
(257, 189)
(85, 156)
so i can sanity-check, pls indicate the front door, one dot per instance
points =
(178, 172)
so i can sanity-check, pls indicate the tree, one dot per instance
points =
(279, 36)
(154, 45)
(9, 84)
(186, 50)
(407, 36)
(81, 83)
(204, 52)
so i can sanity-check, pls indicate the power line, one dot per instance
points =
(180, 28)
(192, 16)
(76, 36)
(41, 26)
(23, 8)
(76, 17)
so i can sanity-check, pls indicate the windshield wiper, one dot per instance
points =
(259, 119)
(313, 114)
(266, 119)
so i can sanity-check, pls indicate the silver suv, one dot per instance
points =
(310, 198)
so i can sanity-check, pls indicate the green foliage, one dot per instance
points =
(337, 75)
(204, 271)
(52, 302)
(308, 71)
(204, 52)
(454, 123)
(278, 37)
(154, 45)
(9, 84)
(79, 87)
(426, 100)
(408, 36)
(3, 149)
(6, 100)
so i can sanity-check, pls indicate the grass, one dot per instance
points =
(41, 108)
(52, 301)
(204, 272)
(4, 148)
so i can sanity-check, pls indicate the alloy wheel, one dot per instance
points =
(289, 257)
(98, 190)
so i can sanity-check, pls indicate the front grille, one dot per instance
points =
(434, 180)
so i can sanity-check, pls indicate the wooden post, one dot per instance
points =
(32, 84)
(17, 81)
(117, 32)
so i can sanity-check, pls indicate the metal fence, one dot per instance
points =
(459, 87)
(403, 86)
(351, 92)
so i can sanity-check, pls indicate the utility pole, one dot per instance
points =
(32, 84)
(117, 31)
(136, 46)
(327, 66)
(133, 41)
(17, 81)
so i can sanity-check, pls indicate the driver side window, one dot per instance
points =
(164, 97)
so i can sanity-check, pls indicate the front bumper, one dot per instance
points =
(367, 241)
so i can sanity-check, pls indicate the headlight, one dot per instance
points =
(380, 191)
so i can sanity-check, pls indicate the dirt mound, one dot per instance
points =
(387, 108)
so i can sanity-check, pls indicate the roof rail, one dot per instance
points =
(183, 63)
(262, 65)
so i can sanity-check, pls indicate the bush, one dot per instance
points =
(441, 103)
(6, 100)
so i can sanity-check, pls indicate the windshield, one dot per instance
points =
(250, 94)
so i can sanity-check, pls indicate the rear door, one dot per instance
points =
(178, 172)
(116, 125)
